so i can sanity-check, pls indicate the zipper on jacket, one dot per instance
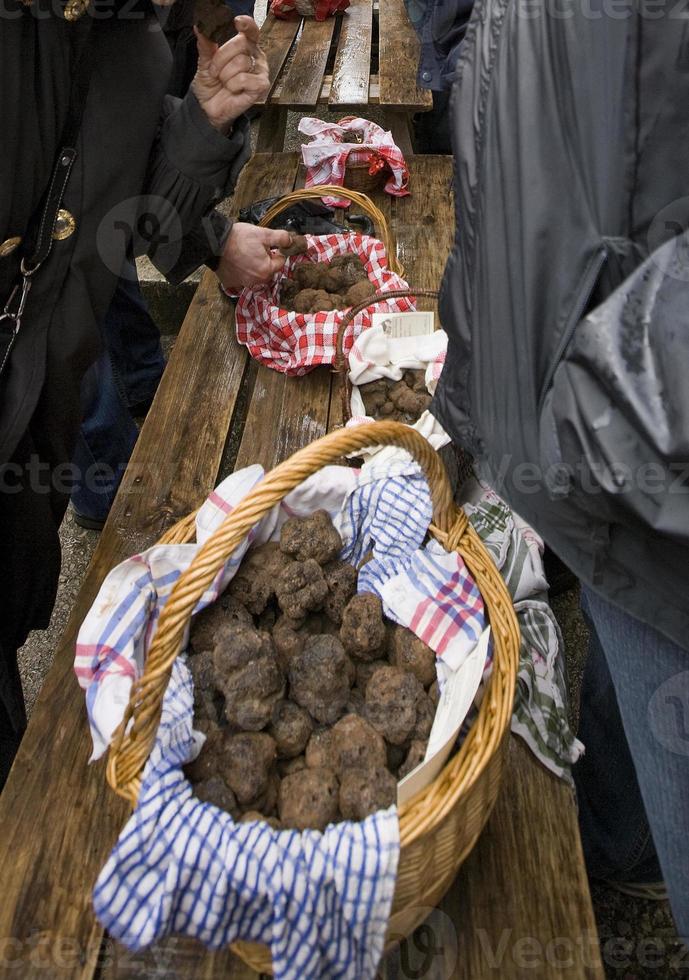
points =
(589, 281)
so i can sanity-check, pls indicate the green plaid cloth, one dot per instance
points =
(540, 710)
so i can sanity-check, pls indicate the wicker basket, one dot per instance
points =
(440, 826)
(342, 363)
(358, 177)
(355, 197)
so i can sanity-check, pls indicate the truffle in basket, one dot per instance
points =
(400, 401)
(313, 706)
(319, 287)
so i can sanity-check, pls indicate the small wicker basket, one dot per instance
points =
(439, 827)
(355, 197)
(342, 362)
(358, 177)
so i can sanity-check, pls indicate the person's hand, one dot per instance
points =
(232, 78)
(248, 258)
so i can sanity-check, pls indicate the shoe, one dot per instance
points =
(88, 523)
(652, 891)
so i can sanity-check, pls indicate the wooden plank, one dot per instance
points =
(352, 71)
(271, 130)
(424, 221)
(276, 39)
(59, 818)
(285, 414)
(400, 125)
(302, 83)
(399, 53)
(520, 905)
(326, 88)
(174, 959)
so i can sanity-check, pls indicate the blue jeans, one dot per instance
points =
(126, 374)
(633, 781)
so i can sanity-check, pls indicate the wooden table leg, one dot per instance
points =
(401, 129)
(271, 130)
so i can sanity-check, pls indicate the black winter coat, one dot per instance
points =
(567, 294)
(138, 153)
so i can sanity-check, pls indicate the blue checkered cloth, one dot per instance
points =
(321, 902)
(387, 516)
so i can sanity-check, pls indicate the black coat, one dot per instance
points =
(570, 140)
(138, 153)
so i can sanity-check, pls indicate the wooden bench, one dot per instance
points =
(521, 904)
(367, 56)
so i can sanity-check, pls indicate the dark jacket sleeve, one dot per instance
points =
(441, 26)
(192, 167)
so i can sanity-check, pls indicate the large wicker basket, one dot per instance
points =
(440, 826)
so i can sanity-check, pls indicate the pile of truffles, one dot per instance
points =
(402, 401)
(317, 287)
(313, 706)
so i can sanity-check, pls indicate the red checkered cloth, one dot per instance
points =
(327, 155)
(295, 343)
(320, 9)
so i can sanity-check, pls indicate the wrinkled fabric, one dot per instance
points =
(540, 705)
(320, 901)
(566, 352)
(441, 26)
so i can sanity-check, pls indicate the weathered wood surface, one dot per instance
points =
(398, 55)
(299, 51)
(304, 75)
(352, 71)
(525, 880)
(520, 906)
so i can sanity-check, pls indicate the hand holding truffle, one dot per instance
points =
(233, 77)
(248, 257)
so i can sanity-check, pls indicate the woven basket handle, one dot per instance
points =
(134, 738)
(355, 197)
(341, 362)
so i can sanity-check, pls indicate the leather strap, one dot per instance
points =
(42, 226)
(84, 55)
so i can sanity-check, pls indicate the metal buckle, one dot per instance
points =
(7, 314)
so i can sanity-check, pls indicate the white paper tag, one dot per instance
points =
(396, 325)
(457, 697)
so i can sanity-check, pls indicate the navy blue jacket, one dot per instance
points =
(441, 25)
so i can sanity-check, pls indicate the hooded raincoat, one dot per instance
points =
(566, 296)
